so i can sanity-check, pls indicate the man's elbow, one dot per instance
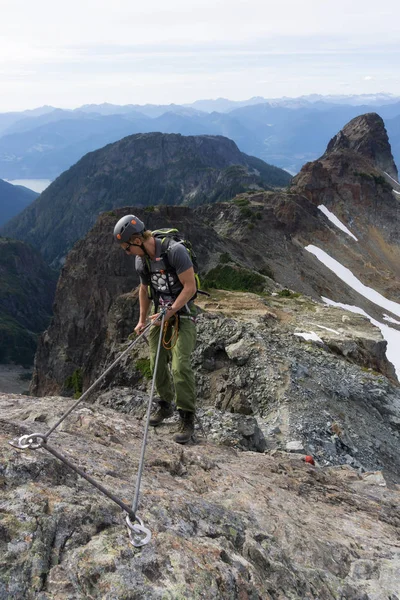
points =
(191, 288)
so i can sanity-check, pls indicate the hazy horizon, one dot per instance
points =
(245, 99)
(90, 53)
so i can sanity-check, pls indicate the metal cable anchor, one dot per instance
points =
(135, 530)
(33, 441)
(28, 441)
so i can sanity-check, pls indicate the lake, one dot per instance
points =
(37, 185)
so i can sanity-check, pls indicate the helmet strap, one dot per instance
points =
(144, 250)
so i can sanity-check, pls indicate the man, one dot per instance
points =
(170, 277)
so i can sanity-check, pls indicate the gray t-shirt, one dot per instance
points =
(178, 258)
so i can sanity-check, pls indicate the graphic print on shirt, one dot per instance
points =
(160, 283)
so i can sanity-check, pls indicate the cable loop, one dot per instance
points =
(171, 342)
(135, 530)
(33, 441)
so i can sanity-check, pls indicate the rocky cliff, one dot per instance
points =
(367, 136)
(141, 170)
(356, 181)
(27, 287)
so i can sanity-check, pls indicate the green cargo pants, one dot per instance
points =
(182, 372)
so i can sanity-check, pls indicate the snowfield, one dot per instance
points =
(333, 219)
(391, 335)
(347, 276)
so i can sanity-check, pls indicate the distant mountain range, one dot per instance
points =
(143, 170)
(13, 199)
(285, 132)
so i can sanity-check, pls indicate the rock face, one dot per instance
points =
(142, 170)
(226, 524)
(366, 135)
(356, 180)
(259, 382)
(27, 287)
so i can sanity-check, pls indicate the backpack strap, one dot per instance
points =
(165, 248)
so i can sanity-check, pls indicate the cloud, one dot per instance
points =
(72, 53)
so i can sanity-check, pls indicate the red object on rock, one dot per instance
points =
(309, 459)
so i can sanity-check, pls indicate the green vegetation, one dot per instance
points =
(25, 376)
(225, 277)
(246, 210)
(269, 175)
(246, 213)
(288, 294)
(371, 370)
(17, 344)
(224, 258)
(74, 383)
(143, 365)
(377, 179)
(267, 271)
(241, 201)
(26, 292)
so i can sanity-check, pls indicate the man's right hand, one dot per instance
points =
(139, 327)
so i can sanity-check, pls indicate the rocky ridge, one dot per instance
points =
(256, 368)
(142, 170)
(367, 136)
(356, 179)
(226, 524)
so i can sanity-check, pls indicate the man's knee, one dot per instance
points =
(182, 371)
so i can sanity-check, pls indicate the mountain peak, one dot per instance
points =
(367, 136)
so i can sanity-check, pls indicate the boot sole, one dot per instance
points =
(191, 439)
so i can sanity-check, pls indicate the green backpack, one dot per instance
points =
(167, 236)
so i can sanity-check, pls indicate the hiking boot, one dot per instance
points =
(186, 427)
(164, 411)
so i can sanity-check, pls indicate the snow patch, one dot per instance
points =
(390, 177)
(351, 280)
(310, 336)
(327, 328)
(333, 219)
(390, 319)
(392, 336)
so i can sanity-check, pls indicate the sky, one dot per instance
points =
(71, 53)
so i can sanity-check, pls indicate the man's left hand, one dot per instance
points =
(168, 315)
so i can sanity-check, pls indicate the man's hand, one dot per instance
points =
(168, 315)
(139, 327)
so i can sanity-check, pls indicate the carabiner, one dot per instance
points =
(135, 530)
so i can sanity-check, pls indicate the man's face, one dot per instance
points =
(133, 248)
